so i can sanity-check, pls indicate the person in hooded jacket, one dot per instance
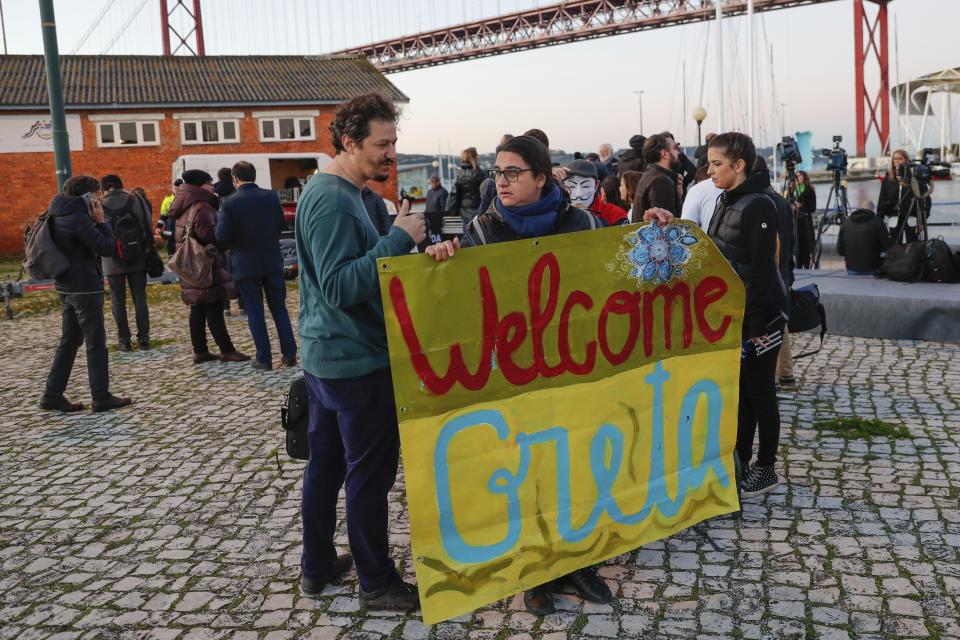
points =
(464, 198)
(745, 228)
(530, 204)
(632, 159)
(78, 230)
(196, 197)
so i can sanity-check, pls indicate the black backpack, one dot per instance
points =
(294, 418)
(939, 263)
(904, 262)
(129, 232)
(806, 313)
(43, 259)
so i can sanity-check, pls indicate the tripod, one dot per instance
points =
(919, 208)
(831, 215)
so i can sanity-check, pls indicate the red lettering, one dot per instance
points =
(457, 370)
(669, 294)
(540, 317)
(622, 303)
(710, 290)
(566, 357)
(511, 332)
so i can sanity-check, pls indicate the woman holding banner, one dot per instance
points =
(530, 204)
(744, 227)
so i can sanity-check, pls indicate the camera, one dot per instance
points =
(920, 169)
(788, 150)
(836, 157)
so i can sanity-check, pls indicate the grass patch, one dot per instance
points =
(10, 268)
(857, 428)
(41, 302)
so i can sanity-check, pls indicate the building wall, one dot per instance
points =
(29, 179)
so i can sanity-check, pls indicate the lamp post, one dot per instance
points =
(639, 93)
(699, 115)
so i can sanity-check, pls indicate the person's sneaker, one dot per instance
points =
(124, 345)
(199, 358)
(758, 480)
(234, 356)
(787, 381)
(589, 585)
(144, 345)
(262, 366)
(539, 600)
(287, 362)
(60, 404)
(399, 596)
(111, 403)
(312, 587)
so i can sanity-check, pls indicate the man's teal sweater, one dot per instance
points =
(341, 315)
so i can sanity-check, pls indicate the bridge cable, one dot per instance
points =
(93, 25)
(123, 28)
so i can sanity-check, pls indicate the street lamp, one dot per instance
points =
(639, 93)
(699, 115)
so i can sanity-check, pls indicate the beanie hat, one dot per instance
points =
(196, 177)
(583, 168)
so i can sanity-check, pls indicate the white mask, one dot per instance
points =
(582, 191)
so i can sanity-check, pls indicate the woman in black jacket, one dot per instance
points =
(744, 227)
(530, 204)
(464, 198)
(896, 198)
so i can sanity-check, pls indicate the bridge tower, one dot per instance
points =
(870, 43)
(192, 40)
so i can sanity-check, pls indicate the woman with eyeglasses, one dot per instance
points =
(530, 204)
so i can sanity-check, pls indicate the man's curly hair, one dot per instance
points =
(353, 118)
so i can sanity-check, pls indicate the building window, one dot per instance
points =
(298, 128)
(209, 131)
(124, 134)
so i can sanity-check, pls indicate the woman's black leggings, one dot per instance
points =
(211, 314)
(758, 408)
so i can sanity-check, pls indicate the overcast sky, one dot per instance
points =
(581, 94)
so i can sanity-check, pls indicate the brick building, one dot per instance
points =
(135, 115)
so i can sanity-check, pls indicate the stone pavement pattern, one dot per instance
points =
(179, 518)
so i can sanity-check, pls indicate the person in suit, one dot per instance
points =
(250, 223)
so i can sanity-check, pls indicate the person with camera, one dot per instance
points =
(353, 432)
(896, 199)
(83, 237)
(745, 228)
(128, 216)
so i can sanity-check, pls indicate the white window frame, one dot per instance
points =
(198, 122)
(296, 117)
(115, 124)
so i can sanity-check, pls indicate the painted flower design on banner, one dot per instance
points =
(658, 255)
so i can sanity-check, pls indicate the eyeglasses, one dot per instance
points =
(512, 174)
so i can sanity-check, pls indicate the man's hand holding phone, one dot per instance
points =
(94, 207)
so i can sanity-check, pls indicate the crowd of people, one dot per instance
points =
(341, 232)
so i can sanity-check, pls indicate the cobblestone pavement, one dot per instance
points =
(178, 518)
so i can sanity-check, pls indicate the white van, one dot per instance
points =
(274, 170)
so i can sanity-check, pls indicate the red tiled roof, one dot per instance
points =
(97, 82)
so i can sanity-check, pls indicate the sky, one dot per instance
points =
(581, 94)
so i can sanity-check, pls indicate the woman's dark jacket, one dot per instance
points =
(490, 227)
(891, 194)
(808, 199)
(204, 230)
(82, 242)
(464, 199)
(746, 233)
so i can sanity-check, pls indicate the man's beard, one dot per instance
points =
(380, 177)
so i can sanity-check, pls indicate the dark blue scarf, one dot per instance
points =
(536, 219)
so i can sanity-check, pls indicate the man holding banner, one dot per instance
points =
(530, 204)
(353, 434)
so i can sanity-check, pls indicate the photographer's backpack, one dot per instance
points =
(294, 418)
(43, 259)
(939, 265)
(129, 232)
(904, 262)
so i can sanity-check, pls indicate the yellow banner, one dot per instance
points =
(562, 400)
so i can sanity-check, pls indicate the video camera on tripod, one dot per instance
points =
(918, 169)
(789, 152)
(836, 157)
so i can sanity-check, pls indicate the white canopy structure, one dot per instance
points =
(915, 98)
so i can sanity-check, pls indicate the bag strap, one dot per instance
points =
(823, 331)
(191, 215)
